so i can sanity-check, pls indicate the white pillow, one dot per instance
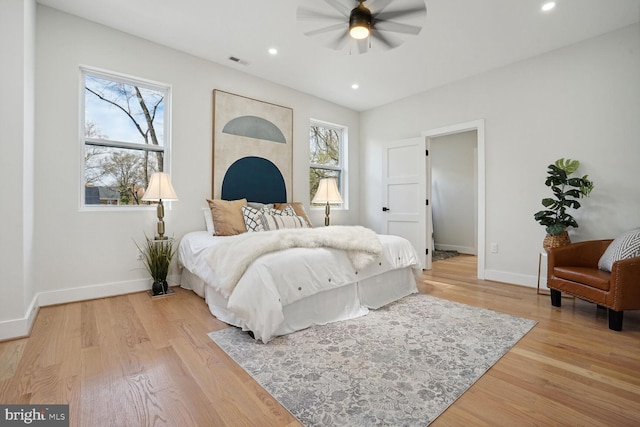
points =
(278, 222)
(259, 205)
(623, 247)
(208, 221)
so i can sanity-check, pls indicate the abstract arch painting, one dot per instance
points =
(245, 127)
(256, 179)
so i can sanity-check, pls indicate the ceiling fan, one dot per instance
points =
(361, 23)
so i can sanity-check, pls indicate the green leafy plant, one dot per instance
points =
(157, 255)
(567, 191)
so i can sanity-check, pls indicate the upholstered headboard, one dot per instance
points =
(255, 179)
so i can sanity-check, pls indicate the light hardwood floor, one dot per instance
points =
(133, 361)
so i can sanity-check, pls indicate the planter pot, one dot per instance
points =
(157, 288)
(555, 241)
(165, 286)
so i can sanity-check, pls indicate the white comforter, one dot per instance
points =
(280, 278)
(231, 258)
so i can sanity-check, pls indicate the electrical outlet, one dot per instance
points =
(494, 248)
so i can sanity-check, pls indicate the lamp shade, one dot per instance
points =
(327, 192)
(160, 188)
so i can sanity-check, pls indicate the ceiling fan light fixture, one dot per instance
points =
(359, 32)
(358, 26)
(360, 22)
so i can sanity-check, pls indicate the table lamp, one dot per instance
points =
(327, 193)
(160, 189)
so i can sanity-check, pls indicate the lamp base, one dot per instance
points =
(327, 211)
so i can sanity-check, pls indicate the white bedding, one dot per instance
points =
(232, 256)
(279, 289)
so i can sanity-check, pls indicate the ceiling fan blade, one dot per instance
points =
(380, 5)
(307, 14)
(385, 41)
(420, 10)
(328, 29)
(344, 10)
(396, 27)
(339, 42)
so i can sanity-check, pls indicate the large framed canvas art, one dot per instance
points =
(250, 136)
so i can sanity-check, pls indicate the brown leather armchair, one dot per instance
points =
(573, 269)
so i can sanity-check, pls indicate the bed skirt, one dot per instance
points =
(346, 302)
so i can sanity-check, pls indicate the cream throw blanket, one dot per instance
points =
(231, 258)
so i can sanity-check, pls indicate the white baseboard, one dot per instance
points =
(63, 296)
(21, 327)
(512, 278)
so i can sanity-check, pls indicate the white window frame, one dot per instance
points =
(165, 148)
(342, 166)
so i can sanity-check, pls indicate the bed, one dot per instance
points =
(311, 280)
(261, 301)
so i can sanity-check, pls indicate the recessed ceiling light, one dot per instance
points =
(355, 86)
(546, 7)
(273, 51)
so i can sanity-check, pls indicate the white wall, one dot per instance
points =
(81, 255)
(453, 191)
(17, 50)
(581, 102)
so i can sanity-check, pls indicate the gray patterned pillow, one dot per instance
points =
(623, 247)
(288, 211)
(251, 218)
(252, 215)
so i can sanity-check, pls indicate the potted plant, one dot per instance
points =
(157, 255)
(566, 193)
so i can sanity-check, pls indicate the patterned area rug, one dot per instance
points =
(439, 255)
(400, 365)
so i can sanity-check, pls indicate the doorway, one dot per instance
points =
(454, 192)
(478, 127)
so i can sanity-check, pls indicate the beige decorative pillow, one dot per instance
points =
(279, 222)
(227, 216)
(298, 208)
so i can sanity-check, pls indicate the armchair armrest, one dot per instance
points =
(581, 254)
(625, 283)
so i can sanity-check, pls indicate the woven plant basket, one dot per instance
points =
(555, 241)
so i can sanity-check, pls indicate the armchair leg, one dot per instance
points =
(556, 298)
(615, 319)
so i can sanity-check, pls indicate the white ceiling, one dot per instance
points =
(460, 38)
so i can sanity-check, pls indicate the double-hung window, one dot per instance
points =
(327, 156)
(125, 137)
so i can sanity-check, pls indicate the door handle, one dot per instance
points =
(385, 209)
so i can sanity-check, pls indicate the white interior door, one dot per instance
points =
(405, 206)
